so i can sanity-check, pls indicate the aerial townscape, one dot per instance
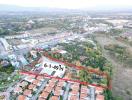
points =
(63, 54)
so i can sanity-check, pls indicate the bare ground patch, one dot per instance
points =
(122, 74)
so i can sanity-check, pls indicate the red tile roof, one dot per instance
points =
(84, 87)
(81, 99)
(44, 95)
(73, 97)
(29, 79)
(27, 92)
(54, 98)
(84, 90)
(60, 84)
(48, 89)
(23, 83)
(58, 88)
(31, 86)
(73, 87)
(53, 80)
(40, 78)
(74, 92)
(83, 95)
(33, 76)
(57, 93)
(100, 89)
(41, 98)
(18, 89)
(36, 82)
(51, 84)
(21, 97)
(100, 97)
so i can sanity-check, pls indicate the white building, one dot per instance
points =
(22, 35)
(5, 44)
(51, 67)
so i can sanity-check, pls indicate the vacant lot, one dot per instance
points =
(122, 74)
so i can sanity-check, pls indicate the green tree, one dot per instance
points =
(84, 76)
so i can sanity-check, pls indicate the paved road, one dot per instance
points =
(25, 50)
(67, 91)
(10, 88)
(1, 48)
(40, 89)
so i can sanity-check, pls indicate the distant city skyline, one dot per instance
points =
(71, 4)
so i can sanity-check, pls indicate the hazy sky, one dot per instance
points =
(71, 4)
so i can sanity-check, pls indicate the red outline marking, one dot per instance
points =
(75, 66)
(79, 68)
(65, 79)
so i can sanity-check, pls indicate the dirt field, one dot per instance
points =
(122, 75)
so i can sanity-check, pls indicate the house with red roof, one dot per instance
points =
(36, 82)
(84, 93)
(75, 89)
(58, 93)
(28, 93)
(23, 84)
(73, 97)
(100, 97)
(48, 89)
(21, 97)
(29, 78)
(51, 84)
(61, 84)
(44, 95)
(54, 98)
(41, 98)
(32, 87)
(18, 90)
(40, 78)
(99, 90)
(53, 80)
